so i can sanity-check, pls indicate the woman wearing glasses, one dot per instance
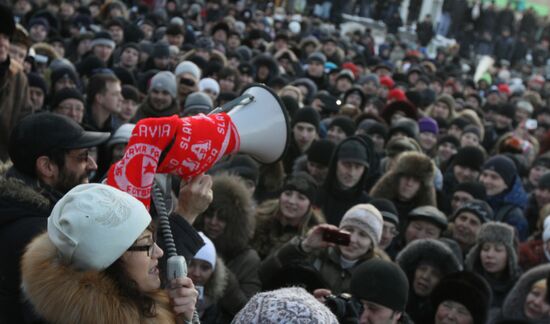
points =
(97, 263)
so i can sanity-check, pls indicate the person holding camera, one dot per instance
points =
(334, 252)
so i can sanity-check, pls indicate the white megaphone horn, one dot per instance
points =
(261, 121)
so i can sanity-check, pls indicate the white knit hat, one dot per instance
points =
(367, 218)
(188, 67)
(207, 252)
(94, 224)
(209, 83)
(165, 80)
(546, 232)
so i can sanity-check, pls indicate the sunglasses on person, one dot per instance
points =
(187, 82)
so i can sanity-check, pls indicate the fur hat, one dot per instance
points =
(285, 305)
(303, 183)
(429, 251)
(494, 232)
(400, 145)
(367, 218)
(94, 224)
(392, 108)
(417, 165)
(382, 282)
(470, 156)
(468, 289)
(429, 214)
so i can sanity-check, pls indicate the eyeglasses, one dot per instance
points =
(142, 248)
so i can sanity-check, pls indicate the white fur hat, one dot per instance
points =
(207, 252)
(367, 218)
(94, 224)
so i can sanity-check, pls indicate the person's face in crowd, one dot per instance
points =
(293, 205)
(176, 40)
(426, 277)
(117, 34)
(469, 139)
(492, 182)
(38, 33)
(66, 10)
(521, 115)
(536, 173)
(78, 164)
(318, 171)
(343, 84)
(103, 52)
(315, 69)
(186, 84)
(142, 266)
(245, 79)
(420, 229)
(455, 131)
(200, 272)
(353, 99)
(211, 93)
(472, 101)
(118, 151)
(262, 73)
(4, 47)
(220, 36)
(493, 98)
(233, 42)
(161, 63)
(494, 257)
(464, 174)
(440, 110)
(205, 54)
(502, 122)
(128, 109)
(129, 58)
(436, 87)
(59, 48)
(336, 134)
(413, 78)
(374, 313)
(535, 306)
(72, 108)
(21, 7)
(466, 228)
(18, 53)
(445, 151)
(84, 46)
(408, 188)
(459, 199)
(304, 135)
(214, 225)
(383, 72)
(280, 44)
(360, 243)
(227, 83)
(427, 140)
(349, 173)
(36, 97)
(329, 48)
(379, 142)
(65, 82)
(542, 196)
(110, 99)
(370, 88)
(160, 99)
(389, 232)
(147, 31)
(452, 312)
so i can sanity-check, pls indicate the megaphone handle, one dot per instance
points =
(226, 107)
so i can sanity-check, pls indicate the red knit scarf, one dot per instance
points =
(188, 146)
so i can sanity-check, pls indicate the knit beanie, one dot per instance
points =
(507, 110)
(381, 282)
(429, 214)
(449, 139)
(307, 115)
(448, 100)
(207, 252)
(164, 81)
(320, 152)
(468, 289)
(161, 50)
(470, 157)
(331, 104)
(353, 149)
(318, 57)
(542, 161)
(476, 189)
(345, 123)
(188, 67)
(504, 167)
(369, 78)
(64, 94)
(387, 209)
(303, 183)
(64, 72)
(429, 125)
(405, 125)
(472, 129)
(544, 181)
(37, 81)
(285, 305)
(209, 84)
(375, 128)
(387, 82)
(367, 218)
(103, 38)
(479, 208)
(197, 102)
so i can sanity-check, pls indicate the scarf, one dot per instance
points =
(186, 147)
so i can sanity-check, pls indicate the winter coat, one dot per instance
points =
(325, 261)
(334, 201)
(14, 101)
(270, 234)
(532, 213)
(61, 294)
(24, 208)
(233, 200)
(412, 164)
(513, 304)
(145, 110)
(508, 208)
(531, 253)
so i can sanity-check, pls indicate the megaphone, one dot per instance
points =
(262, 123)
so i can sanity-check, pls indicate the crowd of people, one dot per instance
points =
(414, 189)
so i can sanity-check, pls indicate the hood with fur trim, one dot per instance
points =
(431, 251)
(232, 203)
(216, 285)
(414, 164)
(61, 294)
(513, 304)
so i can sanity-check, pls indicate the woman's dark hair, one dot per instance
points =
(129, 289)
